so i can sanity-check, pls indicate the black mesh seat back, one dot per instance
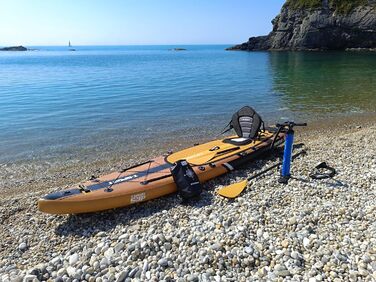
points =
(246, 123)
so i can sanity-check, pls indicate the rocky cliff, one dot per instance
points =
(325, 26)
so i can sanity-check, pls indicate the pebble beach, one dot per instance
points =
(307, 230)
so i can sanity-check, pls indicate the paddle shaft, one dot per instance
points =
(274, 166)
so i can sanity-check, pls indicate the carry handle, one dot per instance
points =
(290, 124)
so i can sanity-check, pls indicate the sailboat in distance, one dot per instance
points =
(70, 47)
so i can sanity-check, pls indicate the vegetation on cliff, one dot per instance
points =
(341, 6)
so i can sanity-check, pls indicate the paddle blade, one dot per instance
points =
(201, 159)
(233, 190)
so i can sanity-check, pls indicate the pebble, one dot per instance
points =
(71, 271)
(283, 273)
(262, 272)
(123, 236)
(292, 220)
(193, 278)
(104, 261)
(148, 275)
(133, 272)
(306, 242)
(296, 255)
(363, 272)
(163, 262)
(22, 247)
(145, 267)
(285, 243)
(168, 246)
(122, 276)
(56, 260)
(61, 271)
(132, 238)
(109, 253)
(119, 247)
(248, 250)
(73, 259)
(216, 246)
(30, 278)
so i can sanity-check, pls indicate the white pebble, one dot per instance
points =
(73, 259)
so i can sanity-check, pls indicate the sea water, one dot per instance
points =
(102, 98)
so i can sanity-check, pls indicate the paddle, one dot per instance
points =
(234, 190)
(207, 156)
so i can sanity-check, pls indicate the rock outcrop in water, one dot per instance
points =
(328, 25)
(14, 48)
(178, 49)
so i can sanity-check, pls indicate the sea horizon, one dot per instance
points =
(122, 45)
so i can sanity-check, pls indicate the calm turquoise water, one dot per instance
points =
(56, 102)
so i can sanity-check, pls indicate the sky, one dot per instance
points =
(134, 22)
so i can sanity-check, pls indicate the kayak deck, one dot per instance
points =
(215, 150)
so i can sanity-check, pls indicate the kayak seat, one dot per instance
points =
(238, 141)
(247, 124)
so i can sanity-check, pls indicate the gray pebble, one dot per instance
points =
(133, 272)
(22, 247)
(163, 262)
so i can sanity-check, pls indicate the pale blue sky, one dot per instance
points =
(122, 22)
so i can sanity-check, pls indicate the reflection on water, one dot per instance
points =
(325, 83)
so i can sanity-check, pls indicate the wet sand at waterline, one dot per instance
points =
(306, 229)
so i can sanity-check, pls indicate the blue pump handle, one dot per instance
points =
(287, 154)
(289, 142)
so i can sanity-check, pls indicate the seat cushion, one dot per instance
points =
(238, 141)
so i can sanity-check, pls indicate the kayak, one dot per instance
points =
(152, 179)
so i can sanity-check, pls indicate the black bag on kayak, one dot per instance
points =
(186, 180)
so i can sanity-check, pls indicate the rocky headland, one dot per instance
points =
(14, 48)
(319, 25)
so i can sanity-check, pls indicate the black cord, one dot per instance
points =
(322, 171)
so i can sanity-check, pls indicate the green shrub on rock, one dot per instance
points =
(345, 6)
(304, 4)
(341, 6)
